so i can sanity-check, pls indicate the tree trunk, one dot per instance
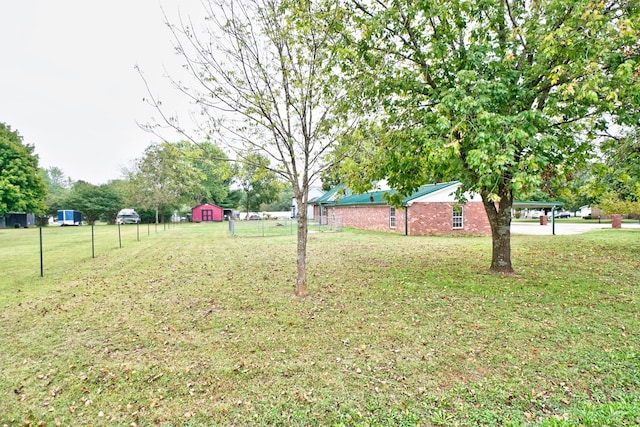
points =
(301, 279)
(500, 220)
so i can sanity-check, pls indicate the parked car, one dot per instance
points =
(127, 216)
(563, 214)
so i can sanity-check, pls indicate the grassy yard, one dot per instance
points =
(189, 326)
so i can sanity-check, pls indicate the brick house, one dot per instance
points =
(432, 210)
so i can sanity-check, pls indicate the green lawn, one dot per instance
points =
(190, 326)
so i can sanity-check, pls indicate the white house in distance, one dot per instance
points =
(584, 211)
(314, 193)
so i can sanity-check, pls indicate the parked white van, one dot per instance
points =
(127, 216)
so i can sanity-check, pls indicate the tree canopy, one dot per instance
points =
(95, 202)
(617, 181)
(58, 187)
(259, 184)
(497, 94)
(213, 168)
(21, 186)
(163, 178)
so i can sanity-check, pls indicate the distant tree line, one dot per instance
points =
(168, 178)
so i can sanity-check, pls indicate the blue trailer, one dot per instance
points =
(67, 217)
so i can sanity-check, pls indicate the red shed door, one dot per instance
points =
(207, 215)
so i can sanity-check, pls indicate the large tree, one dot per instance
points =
(494, 93)
(21, 186)
(264, 79)
(258, 183)
(163, 178)
(95, 202)
(282, 202)
(58, 187)
(214, 170)
(616, 183)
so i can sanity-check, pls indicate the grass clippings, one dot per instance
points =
(190, 326)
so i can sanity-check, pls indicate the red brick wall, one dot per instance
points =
(369, 217)
(424, 218)
(437, 218)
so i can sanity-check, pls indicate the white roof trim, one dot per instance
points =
(445, 195)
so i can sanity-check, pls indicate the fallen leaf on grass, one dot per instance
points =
(155, 377)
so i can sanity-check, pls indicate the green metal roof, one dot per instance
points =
(370, 198)
(428, 189)
(331, 195)
(532, 205)
(340, 195)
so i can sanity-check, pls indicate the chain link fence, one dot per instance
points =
(281, 227)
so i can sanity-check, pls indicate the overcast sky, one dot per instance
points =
(68, 83)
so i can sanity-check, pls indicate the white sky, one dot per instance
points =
(68, 83)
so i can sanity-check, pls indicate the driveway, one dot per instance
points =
(562, 228)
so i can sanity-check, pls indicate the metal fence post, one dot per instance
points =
(93, 245)
(41, 258)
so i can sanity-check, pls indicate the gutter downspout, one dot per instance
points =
(406, 220)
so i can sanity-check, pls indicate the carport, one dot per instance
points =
(540, 205)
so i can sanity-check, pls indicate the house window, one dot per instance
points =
(457, 217)
(392, 217)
